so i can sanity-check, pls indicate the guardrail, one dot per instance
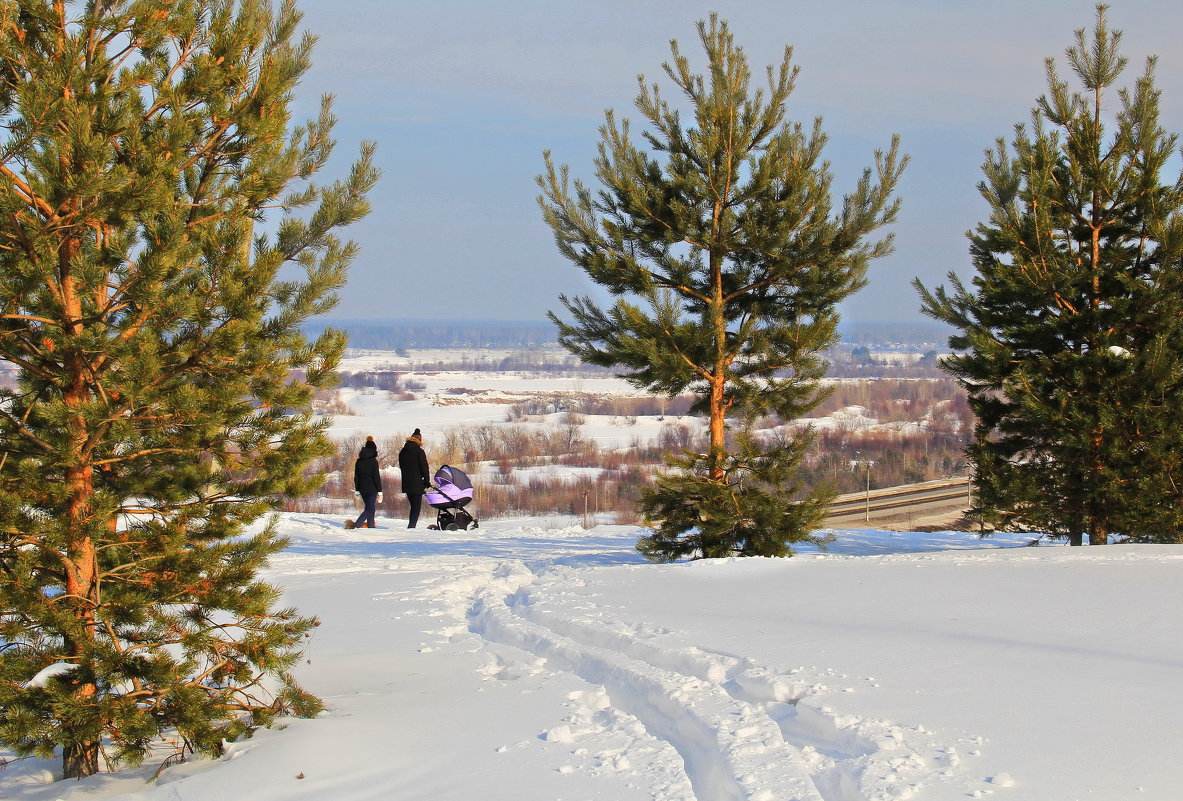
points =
(866, 504)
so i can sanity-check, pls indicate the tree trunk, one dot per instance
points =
(718, 411)
(1098, 528)
(1098, 519)
(718, 428)
(80, 759)
(80, 754)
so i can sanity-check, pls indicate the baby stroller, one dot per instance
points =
(451, 493)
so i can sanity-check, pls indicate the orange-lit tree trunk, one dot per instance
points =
(81, 757)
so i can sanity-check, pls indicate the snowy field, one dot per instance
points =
(533, 660)
(457, 398)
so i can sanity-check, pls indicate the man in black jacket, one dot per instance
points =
(412, 461)
(367, 480)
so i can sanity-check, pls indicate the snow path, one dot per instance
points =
(741, 731)
(728, 747)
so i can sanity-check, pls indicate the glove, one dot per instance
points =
(379, 497)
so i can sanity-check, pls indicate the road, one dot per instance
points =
(902, 507)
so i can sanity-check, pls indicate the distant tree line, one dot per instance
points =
(843, 361)
(523, 361)
(422, 334)
(910, 334)
(386, 380)
(444, 334)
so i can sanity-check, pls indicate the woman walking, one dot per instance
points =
(412, 461)
(367, 481)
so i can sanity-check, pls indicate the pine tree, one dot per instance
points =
(1070, 340)
(162, 402)
(727, 262)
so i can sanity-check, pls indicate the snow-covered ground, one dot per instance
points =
(457, 398)
(531, 660)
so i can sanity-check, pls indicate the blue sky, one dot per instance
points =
(463, 97)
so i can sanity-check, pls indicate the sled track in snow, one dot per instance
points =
(743, 733)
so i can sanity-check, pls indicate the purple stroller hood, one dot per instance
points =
(453, 475)
(452, 488)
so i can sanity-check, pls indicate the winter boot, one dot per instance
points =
(348, 524)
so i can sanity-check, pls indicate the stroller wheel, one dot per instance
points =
(453, 527)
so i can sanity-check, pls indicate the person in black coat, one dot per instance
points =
(367, 481)
(412, 461)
